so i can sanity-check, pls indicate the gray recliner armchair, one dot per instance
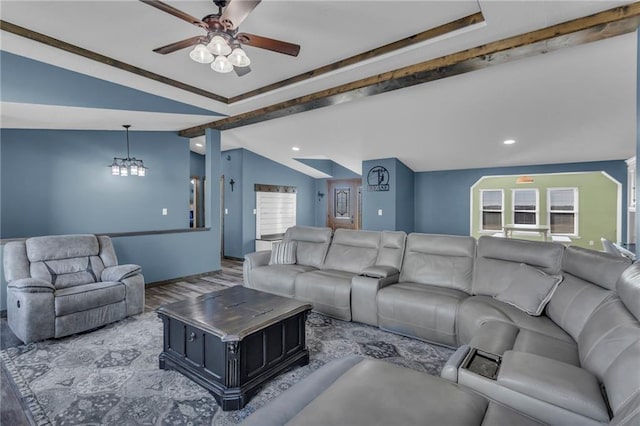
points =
(65, 284)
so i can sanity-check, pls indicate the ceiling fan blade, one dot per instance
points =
(169, 48)
(269, 44)
(176, 12)
(236, 11)
(242, 71)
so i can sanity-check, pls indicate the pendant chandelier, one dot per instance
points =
(128, 166)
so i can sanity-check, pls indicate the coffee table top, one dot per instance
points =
(234, 312)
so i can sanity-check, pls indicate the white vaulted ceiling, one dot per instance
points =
(576, 104)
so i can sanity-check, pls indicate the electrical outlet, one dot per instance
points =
(255, 211)
(590, 242)
(379, 212)
(226, 211)
(165, 211)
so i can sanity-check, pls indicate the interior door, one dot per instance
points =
(343, 209)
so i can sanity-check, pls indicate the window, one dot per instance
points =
(491, 208)
(525, 206)
(563, 210)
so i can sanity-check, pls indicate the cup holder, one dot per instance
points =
(483, 363)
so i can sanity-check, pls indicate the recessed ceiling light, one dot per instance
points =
(199, 144)
(295, 148)
(509, 142)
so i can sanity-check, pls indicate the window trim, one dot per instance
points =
(513, 204)
(482, 210)
(576, 205)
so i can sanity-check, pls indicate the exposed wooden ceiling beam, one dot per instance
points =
(429, 34)
(54, 42)
(600, 26)
(382, 50)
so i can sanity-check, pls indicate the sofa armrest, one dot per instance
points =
(555, 382)
(380, 271)
(253, 261)
(258, 258)
(119, 272)
(450, 369)
(364, 306)
(31, 285)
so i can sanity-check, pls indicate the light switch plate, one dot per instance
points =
(379, 212)
(255, 211)
(226, 211)
(165, 211)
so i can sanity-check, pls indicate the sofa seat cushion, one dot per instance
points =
(557, 383)
(375, 392)
(497, 337)
(476, 310)
(419, 310)
(278, 279)
(329, 292)
(357, 391)
(84, 297)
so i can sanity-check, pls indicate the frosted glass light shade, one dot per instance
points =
(124, 170)
(239, 58)
(115, 168)
(142, 170)
(133, 169)
(219, 46)
(222, 64)
(201, 54)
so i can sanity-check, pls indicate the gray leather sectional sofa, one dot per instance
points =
(578, 362)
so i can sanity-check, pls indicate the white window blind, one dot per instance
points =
(275, 212)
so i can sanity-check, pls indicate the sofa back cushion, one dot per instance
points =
(498, 259)
(392, 244)
(65, 260)
(589, 278)
(352, 251)
(609, 344)
(439, 260)
(312, 244)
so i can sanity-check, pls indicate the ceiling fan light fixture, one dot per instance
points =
(219, 46)
(239, 58)
(222, 65)
(201, 54)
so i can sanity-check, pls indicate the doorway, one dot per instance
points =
(344, 203)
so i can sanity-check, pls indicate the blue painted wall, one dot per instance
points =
(247, 169)
(29, 81)
(397, 204)
(57, 182)
(232, 169)
(442, 198)
(372, 201)
(405, 198)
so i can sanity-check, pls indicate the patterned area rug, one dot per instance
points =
(110, 376)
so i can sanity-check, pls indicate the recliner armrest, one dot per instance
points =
(379, 271)
(31, 285)
(450, 369)
(119, 272)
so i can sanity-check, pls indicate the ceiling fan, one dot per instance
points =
(221, 45)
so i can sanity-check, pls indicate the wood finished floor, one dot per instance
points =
(12, 411)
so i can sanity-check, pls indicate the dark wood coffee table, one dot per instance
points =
(232, 341)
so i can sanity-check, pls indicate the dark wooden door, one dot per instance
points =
(343, 209)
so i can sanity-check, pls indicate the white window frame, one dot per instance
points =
(576, 205)
(482, 191)
(513, 204)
